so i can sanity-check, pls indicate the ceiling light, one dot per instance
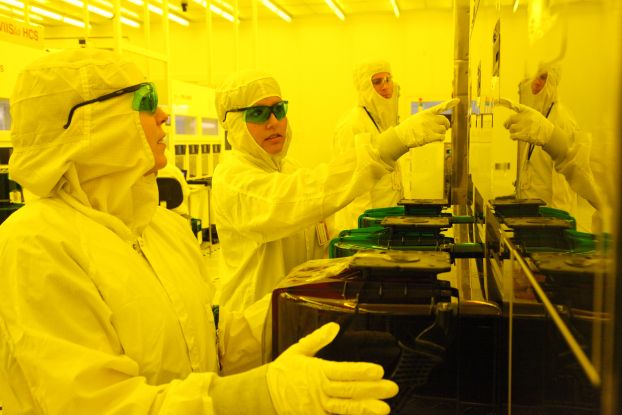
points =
(123, 10)
(46, 13)
(172, 17)
(157, 10)
(179, 20)
(396, 9)
(225, 5)
(12, 10)
(94, 9)
(129, 22)
(13, 3)
(222, 13)
(276, 10)
(129, 13)
(217, 10)
(171, 6)
(56, 16)
(335, 9)
(73, 22)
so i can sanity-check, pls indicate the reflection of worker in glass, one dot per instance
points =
(553, 151)
(267, 208)
(537, 178)
(376, 112)
(106, 305)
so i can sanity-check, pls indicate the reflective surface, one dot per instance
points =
(568, 274)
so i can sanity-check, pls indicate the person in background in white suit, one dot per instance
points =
(375, 112)
(268, 210)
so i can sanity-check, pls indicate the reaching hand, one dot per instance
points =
(302, 384)
(527, 124)
(426, 126)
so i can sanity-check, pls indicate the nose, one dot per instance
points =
(161, 116)
(272, 120)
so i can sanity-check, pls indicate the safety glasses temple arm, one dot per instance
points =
(235, 110)
(101, 98)
(75, 107)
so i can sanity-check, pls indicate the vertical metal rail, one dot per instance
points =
(460, 121)
(255, 33)
(208, 41)
(460, 137)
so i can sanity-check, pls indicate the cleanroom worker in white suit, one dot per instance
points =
(106, 305)
(375, 112)
(266, 209)
(554, 154)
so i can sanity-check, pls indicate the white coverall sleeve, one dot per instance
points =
(266, 206)
(571, 154)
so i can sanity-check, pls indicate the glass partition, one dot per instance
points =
(548, 209)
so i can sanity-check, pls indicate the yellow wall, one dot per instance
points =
(313, 60)
(12, 58)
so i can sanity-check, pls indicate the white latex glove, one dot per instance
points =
(426, 126)
(527, 124)
(301, 384)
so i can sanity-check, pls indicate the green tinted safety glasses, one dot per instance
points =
(259, 114)
(145, 99)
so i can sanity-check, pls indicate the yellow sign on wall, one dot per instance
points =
(22, 33)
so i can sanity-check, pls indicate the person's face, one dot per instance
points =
(152, 126)
(538, 83)
(270, 135)
(383, 84)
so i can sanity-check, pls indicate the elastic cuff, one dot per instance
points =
(557, 147)
(244, 393)
(390, 147)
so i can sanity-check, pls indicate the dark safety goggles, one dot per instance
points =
(145, 99)
(259, 114)
(380, 81)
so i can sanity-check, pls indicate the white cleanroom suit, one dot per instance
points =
(554, 153)
(267, 210)
(106, 306)
(371, 116)
(537, 177)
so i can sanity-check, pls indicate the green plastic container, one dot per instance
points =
(351, 241)
(373, 217)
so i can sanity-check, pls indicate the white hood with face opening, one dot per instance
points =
(383, 110)
(543, 100)
(98, 164)
(241, 90)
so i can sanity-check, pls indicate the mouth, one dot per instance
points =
(274, 137)
(161, 140)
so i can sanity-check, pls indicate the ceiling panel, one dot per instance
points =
(196, 13)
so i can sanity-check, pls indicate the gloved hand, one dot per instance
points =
(418, 129)
(302, 384)
(527, 124)
(426, 126)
